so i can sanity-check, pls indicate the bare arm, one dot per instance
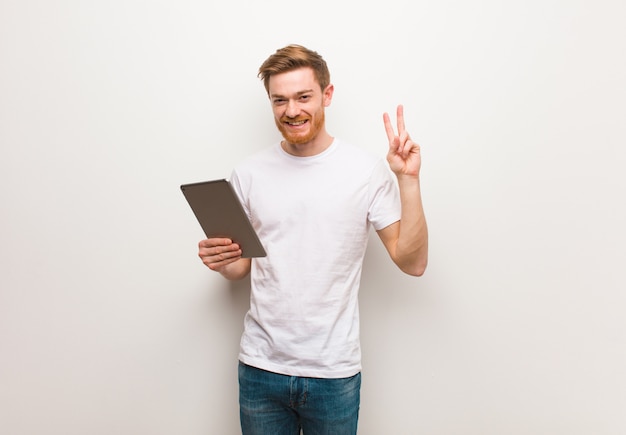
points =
(406, 240)
(224, 256)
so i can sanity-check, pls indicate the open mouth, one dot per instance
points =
(296, 123)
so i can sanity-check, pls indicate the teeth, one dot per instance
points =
(296, 123)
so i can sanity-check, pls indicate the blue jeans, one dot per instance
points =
(275, 404)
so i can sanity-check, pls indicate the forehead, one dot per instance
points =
(293, 82)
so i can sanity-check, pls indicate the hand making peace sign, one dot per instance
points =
(404, 155)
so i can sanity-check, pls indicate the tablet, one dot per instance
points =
(221, 214)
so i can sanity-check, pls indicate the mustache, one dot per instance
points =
(296, 119)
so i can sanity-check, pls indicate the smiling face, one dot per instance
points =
(298, 104)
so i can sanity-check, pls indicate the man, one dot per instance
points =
(312, 199)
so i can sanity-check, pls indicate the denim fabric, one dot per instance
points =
(275, 404)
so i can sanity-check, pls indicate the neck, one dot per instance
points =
(317, 145)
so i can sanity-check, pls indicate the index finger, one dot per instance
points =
(388, 127)
(210, 243)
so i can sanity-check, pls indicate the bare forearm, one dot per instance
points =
(236, 270)
(412, 246)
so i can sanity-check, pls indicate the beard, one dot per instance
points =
(315, 124)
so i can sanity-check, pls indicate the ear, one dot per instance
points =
(327, 95)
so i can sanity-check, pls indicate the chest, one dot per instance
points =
(311, 201)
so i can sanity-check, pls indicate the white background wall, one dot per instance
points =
(109, 324)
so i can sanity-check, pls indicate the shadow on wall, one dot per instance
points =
(239, 296)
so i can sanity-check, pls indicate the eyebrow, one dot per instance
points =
(299, 93)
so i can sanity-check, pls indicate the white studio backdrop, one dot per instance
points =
(109, 324)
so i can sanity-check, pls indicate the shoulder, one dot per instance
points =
(257, 160)
(357, 154)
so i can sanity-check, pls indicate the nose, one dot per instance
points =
(292, 110)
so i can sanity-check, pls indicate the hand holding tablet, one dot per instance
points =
(220, 214)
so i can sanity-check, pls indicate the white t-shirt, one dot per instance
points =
(313, 216)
